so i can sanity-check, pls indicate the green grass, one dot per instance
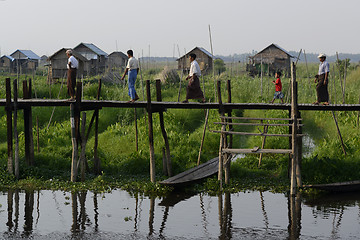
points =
(123, 166)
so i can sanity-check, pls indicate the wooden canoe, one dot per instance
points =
(350, 186)
(194, 174)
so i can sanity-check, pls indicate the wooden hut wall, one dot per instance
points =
(59, 66)
(6, 64)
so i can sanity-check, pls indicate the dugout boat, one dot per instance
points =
(349, 186)
(194, 174)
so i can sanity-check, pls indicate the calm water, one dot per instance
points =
(251, 215)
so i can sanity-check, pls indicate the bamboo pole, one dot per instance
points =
(341, 83)
(339, 133)
(307, 70)
(345, 71)
(263, 143)
(9, 126)
(163, 131)
(151, 134)
(97, 163)
(212, 58)
(16, 135)
(261, 76)
(203, 136)
(222, 137)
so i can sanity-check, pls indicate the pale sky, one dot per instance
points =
(237, 26)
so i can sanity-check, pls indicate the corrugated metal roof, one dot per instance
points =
(205, 51)
(94, 48)
(9, 57)
(29, 54)
(200, 48)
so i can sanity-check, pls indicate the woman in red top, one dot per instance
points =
(278, 87)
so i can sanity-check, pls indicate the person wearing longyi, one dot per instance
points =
(193, 90)
(72, 66)
(322, 79)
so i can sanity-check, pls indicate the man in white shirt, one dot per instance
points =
(132, 69)
(193, 90)
(322, 80)
(72, 67)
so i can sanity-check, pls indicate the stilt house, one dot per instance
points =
(6, 63)
(203, 57)
(58, 64)
(269, 60)
(117, 60)
(26, 60)
(96, 58)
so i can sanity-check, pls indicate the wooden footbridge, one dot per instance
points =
(13, 104)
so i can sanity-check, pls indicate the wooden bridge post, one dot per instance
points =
(16, 135)
(295, 169)
(74, 143)
(28, 126)
(222, 136)
(230, 143)
(163, 131)
(151, 134)
(8, 109)
(78, 111)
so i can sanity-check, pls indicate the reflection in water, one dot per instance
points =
(294, 210)
(266, 219)
(183, 216)
(29, 207)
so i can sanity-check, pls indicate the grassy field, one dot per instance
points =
(127, 168)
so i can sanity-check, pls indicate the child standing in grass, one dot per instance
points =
(278, 87)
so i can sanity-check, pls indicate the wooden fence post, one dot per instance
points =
(9, 126)
(163, 131)
(229, 144)
(151, 134)
(28, 126)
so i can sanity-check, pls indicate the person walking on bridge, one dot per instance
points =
(193, 90)
(322, 80)
(132, 69)
(72, 66)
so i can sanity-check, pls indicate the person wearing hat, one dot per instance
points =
(322, 80)
(72, 67)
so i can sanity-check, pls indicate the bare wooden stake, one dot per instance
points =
(222, 137)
